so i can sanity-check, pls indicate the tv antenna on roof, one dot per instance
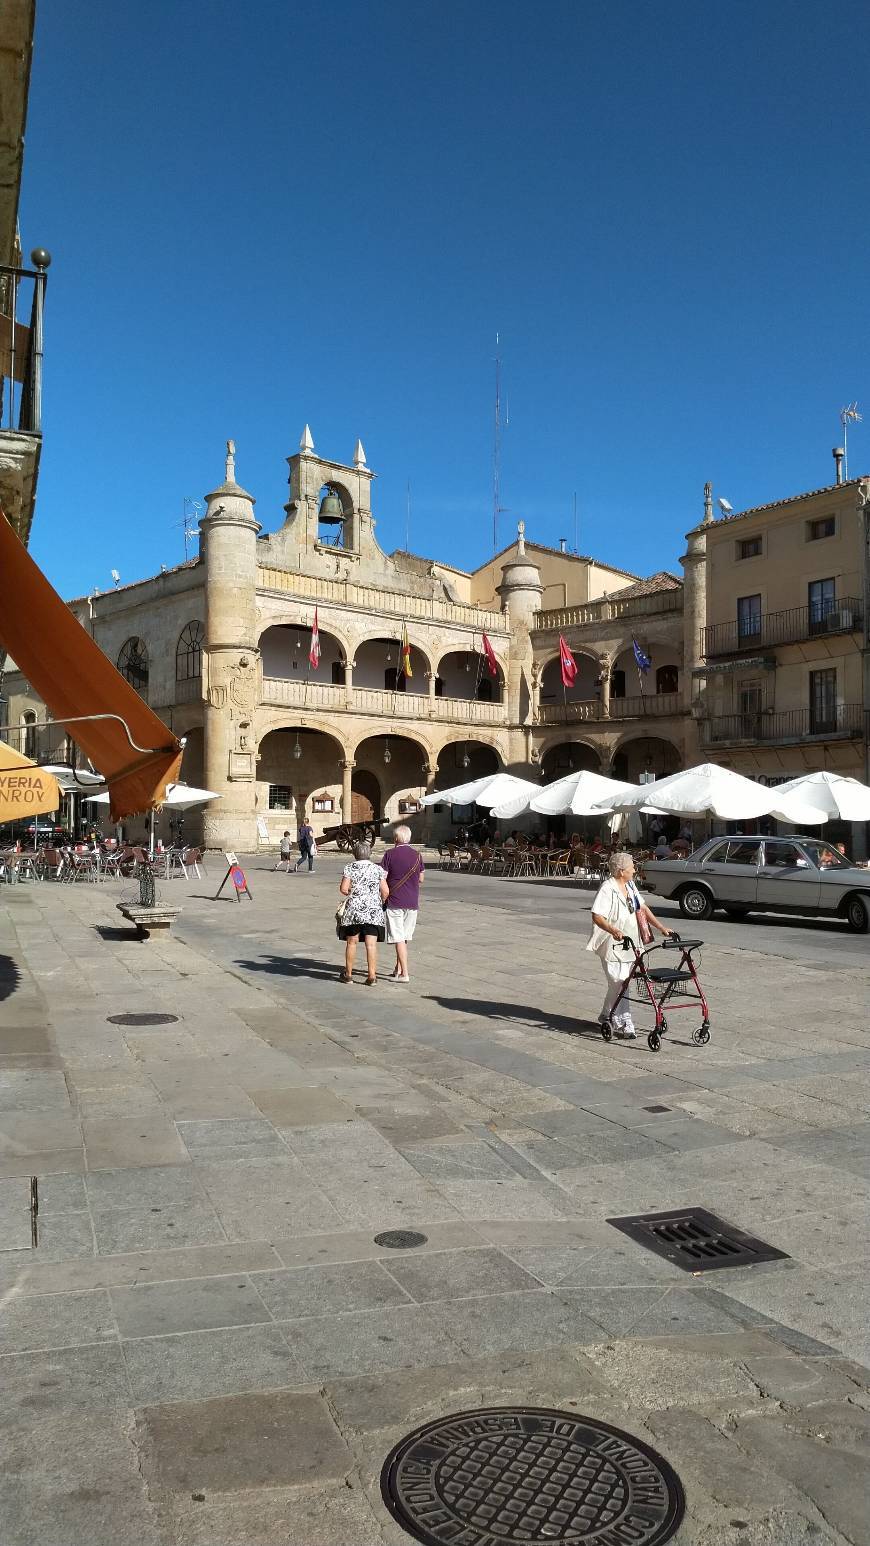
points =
(190, 509)
(116, 578)
(848, 415)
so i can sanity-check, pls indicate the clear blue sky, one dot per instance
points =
(284, 212)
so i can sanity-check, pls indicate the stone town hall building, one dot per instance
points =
(219, 646)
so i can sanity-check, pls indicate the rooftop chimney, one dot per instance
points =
(839, 454)
(563, 544)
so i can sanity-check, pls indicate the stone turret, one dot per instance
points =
(694, 562)
(229, 548)
(521, 592)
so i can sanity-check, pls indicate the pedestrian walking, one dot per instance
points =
(614, 918)
(404, 867)
(307, 845)
(285, 852)
(364, 885)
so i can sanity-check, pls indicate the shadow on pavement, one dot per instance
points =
(293, 966)
(492, 1009)
(10, 977)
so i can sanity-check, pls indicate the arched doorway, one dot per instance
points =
(645, 754)
(365, 796)
(568, 757)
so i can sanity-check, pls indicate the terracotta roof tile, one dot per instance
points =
(774, 504)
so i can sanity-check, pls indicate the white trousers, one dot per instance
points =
(616, 973)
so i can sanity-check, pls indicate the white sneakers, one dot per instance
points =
(626, 1027)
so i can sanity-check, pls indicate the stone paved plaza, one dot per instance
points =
(207, 1348)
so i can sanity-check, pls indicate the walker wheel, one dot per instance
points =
(607, 1032)
(663, 1026)
(654, 1041)
(701, 1036)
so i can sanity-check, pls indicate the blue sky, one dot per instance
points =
(265, 215)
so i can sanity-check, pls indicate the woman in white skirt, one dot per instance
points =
(614, 918)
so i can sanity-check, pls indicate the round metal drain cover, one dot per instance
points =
(142, 1019)
(511, 1474)
(401, 1239)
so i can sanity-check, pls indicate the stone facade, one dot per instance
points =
(355, 736)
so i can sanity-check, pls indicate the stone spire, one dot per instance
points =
(708, 502)
(359, 456)
(231, 462)
(521, 539)
(306, 444)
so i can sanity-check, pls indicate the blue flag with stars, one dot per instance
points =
(643, 660)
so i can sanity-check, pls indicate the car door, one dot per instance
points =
(787, 881)
(737, 878)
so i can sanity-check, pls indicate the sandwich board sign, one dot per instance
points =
(236, 874)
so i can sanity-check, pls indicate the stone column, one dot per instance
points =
(430, 773)
(520, 593)
(604, 666)
(431, 675)
(229, 548)
(694, 562)
(347, 767)
(348, 683)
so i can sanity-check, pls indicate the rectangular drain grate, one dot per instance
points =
(696, 1240)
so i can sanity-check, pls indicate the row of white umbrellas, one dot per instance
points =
(707, 790)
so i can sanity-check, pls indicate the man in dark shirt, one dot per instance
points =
(403, 867)
(306, 844)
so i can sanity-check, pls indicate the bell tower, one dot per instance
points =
(330, 504)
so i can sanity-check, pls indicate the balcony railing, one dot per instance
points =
(371, 598)
(846, 719)
(610, 610)
(585, 709)
(21, 347)
(765, 629)
(380, 703)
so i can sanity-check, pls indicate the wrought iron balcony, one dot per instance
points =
(841, 721)
(845, 614)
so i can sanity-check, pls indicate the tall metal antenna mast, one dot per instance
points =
(496, 448)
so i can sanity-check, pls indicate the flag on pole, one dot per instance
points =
(314, 651)
(489, 653)
(642, 659)
(567, 663)
(406, 651)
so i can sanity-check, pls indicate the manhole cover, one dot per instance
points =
(656, 1108)
(696, 1240)
(142, 1019)
(401, 1239)
(531, 1475)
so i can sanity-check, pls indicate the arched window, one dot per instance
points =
(133, 664)
(667, 679)
(188, 652)
(28, 720)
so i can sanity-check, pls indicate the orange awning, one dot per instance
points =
(25, 790)
(133, 749)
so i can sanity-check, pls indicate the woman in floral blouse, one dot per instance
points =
(364, 884)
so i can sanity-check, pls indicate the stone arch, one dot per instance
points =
(483, 737)
(284, 648)
(296, 719)
(562, 757)
(585, 686)
(377, 654)
(463, 673)
(404, 733)
(464, 758)
(398, 763)
(298, 763)
(634, 754)
(662, 654)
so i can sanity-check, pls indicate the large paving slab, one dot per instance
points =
(208, 1347)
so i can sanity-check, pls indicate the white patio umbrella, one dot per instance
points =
(182, 797)
(839, 797)
(76, 780)
(709, 790)
(573, 795)
(494, 789)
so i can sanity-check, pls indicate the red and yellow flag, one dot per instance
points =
(406, 651)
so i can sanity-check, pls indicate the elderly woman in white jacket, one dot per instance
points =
(614, 917)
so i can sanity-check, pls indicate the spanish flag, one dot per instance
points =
(406, 651)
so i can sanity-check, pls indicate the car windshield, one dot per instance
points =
(825, 857)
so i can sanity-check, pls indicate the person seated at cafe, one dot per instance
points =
(663, 849)
(510, 842)
(680, 847)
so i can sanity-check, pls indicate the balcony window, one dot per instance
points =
(823, 701)
(822, 600)
(667, 679)
(826, 527)
(280, 797)
(749, 547)
(133, 664)
(748, 617)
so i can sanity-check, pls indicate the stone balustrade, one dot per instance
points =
(278, 691)
(371, 598)
(609, 609)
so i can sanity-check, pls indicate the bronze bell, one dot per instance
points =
(331, 512)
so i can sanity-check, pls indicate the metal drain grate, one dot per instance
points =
(142, 1019)
(401, 1239)
(696, 1240)
(512, 1474)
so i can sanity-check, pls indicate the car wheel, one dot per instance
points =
(857, 915)
(695, 902)
(736, 912)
